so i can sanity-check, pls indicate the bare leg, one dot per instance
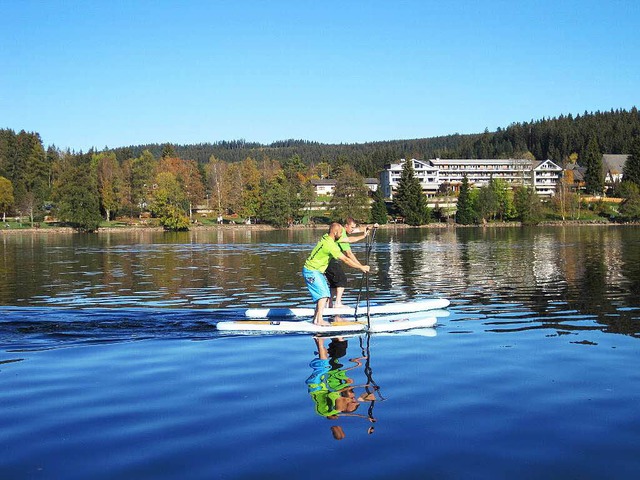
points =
(333, 295)
(338, 301)
(317, 316)
(322, 350)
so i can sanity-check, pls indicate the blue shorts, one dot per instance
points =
(316, 283)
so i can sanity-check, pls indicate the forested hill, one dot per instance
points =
(367, 158)
(553, 138)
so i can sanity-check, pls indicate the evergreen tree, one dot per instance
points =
(630, 208)
(300, 192)
(631, 170)
(350, 197)
(487, 206)
(627, 189)
(77, 199)
(594, 176)
(527, 206)
(52, 159)
(278, 206)
(409, 199)
(554, 138)
(37, 171)
(142, 173)
(294, 169)
(378, 209)
(168, 151)
(465, 214)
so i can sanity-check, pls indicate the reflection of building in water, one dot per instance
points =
(614, 259)
(422, 268)
(593, 270)
(547, 262)
(480, 260)
(553, 262)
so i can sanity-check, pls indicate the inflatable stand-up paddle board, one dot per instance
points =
(386, 323)
(374, 309)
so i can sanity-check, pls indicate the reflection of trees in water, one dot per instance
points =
(556, 273)
(381, 264)
(490, 262)
(596, 283)
(552, 272)
(590, 290)
(408, 260)
(630, 263)
(12, 278)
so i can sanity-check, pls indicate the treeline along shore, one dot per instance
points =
(320, 228)
(178, 187)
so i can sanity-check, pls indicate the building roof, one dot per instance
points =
(537, 163)
(578, 172)
(483, 161)
(614, 163)
(323, 181)
(417, 164)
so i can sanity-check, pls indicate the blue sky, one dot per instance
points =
(113, 73)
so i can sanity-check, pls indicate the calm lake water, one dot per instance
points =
(111, 367)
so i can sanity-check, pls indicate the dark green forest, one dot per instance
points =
(250, 179)
(551, 138)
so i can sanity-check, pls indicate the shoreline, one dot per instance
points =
(262, 227)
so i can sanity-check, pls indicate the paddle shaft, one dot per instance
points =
(365, 277)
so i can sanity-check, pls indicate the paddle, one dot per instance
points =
(365, 277)
(371, 388)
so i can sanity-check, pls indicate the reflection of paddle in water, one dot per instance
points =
(332, 390)
(371, 386)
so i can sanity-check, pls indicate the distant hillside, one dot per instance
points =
(367, 158)
(553, 138)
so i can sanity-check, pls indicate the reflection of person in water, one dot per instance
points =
(330, 387)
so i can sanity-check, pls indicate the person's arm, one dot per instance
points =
(356, 238)
(350, 254)
(354, 264)
(362, 236)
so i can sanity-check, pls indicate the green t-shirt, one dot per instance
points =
(325, 250)
(343, 243)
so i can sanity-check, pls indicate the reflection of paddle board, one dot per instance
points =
(388, 323)
(387, 308)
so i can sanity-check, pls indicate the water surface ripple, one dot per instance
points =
(111, 366)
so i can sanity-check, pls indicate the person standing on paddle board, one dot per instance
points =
(335, 273)
(317, 263)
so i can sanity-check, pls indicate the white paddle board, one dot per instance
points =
(390, 323)
(375, 309)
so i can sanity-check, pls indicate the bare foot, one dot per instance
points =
(322, 323)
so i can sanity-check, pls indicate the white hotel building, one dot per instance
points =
(542, 176)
